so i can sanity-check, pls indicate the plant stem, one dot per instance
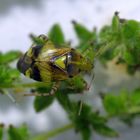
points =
(25, 85)
(53, 133)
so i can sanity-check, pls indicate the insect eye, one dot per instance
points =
(43, 37)
(27, 60)
(68, 59)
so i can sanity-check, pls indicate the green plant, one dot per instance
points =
(119, 41)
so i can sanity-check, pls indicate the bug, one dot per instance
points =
(46, 62)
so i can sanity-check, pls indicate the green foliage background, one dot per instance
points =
(119, 41)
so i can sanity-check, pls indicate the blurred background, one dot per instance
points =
(19, 18)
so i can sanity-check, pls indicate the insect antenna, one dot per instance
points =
(80, 107)
(88, 86)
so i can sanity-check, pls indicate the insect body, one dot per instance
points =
(46, 63)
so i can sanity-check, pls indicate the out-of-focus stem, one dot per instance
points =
(53, 133)
(25, 85)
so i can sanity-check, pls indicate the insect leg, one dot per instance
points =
(51, 93)
(54, 88)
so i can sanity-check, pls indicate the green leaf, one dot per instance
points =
(76, 84)
(56, 35)
(115, 23)
(128, 119)
(132, 69)
(122, 39)
(1, 131)
(82, 121)
(64, 101)
(105, 33)
(135, 98)
(105, 130)
(20, 133)
(83, 34)
(115, 105)
(99, 125)
(42, 102)
(108, 43)
(96, 119)
(131, 29)
(129, 58)
(9, 56)
(8, 75)
(86, 133)
(87, 40)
